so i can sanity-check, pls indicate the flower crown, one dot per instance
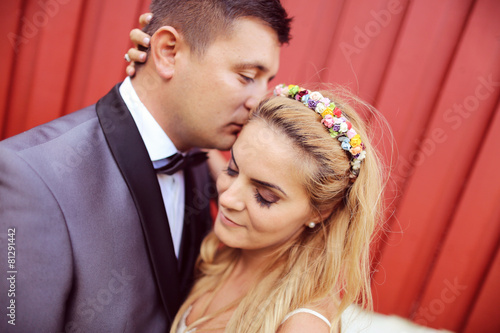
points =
(333, 119)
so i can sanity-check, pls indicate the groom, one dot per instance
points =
(97, 239)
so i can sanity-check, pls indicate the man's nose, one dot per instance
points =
(256, 96)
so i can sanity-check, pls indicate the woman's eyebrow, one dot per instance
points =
(266, 184)
(260, 182)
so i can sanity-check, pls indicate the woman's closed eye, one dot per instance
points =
(265, 198)
(230, 171)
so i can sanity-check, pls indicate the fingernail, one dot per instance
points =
(142, 57)
(129, 71)
(148, 18)
(146, 41)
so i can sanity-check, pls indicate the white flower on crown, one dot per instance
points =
(338, 121)
(362, 155)
(356, 164)
(315, 96)
(320, 108)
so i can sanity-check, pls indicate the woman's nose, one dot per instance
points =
(230, 194)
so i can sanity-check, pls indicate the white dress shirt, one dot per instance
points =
(159, 146)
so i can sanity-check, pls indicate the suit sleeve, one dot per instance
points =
(36, 255)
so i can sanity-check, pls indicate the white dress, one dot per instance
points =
(182, 323)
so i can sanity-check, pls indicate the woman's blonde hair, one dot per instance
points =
(331, 260)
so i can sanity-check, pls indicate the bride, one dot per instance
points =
(298, 203)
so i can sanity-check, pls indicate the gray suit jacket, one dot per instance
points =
(84, 232)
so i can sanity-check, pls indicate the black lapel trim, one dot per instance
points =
(133, 160)
(197, 220)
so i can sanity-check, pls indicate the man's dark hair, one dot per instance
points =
(201, 21)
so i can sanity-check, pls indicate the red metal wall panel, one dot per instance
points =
(10, 28)
(484, 315)
(471, 242)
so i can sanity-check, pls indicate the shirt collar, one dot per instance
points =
(157, 142)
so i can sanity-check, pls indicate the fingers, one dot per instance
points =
(144, 19)
(140, 38)
(130, 69)
(136, 55)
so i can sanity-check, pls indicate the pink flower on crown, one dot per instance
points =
(328, 121)
(301, 93)
(337, 113)
(351, 133)
(277, 90)
(349, 125)
(325, 101)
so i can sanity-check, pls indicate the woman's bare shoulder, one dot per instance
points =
(311, 321)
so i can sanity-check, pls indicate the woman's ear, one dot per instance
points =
(320, 217)
(325, 214)
(164, 47)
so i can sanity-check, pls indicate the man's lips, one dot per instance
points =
(227, 221)
(236, 126)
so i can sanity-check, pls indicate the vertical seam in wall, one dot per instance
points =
(487, 268)
(12, 76)
(74, 55)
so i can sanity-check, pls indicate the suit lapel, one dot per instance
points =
(134, 163)
(197, 220)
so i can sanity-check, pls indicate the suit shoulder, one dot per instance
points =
(49, 131)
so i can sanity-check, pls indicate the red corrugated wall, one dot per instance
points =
(431, 67)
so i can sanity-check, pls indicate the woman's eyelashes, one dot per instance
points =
(261, 201)
(265, 201)
(230, 171)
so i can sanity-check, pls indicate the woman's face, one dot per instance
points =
(262, 202)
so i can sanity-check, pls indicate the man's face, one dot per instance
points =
(217, 90)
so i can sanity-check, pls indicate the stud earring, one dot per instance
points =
(311, 225)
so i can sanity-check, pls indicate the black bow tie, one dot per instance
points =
(176, 162)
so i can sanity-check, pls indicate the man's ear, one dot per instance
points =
(164, 47)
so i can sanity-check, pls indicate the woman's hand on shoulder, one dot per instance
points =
(138, 37)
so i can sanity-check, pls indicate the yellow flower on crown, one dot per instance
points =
(355, 140)
(327, 111)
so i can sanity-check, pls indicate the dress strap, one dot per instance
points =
(314, 313)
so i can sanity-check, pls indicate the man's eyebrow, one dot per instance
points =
(266, 184)
(251, 65)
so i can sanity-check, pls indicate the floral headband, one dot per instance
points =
(333, 119)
